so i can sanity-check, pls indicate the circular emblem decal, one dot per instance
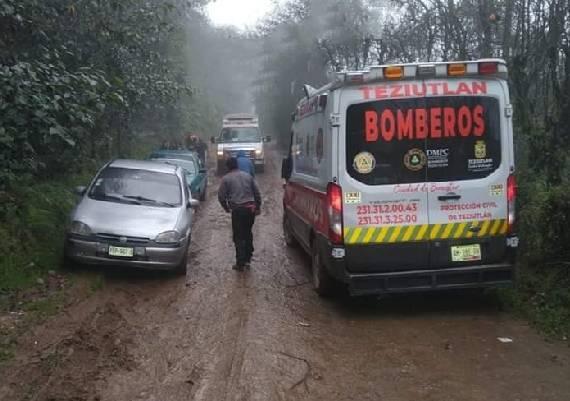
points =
(415, 159)
(364, 162)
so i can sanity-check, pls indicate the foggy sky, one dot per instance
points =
(239, 13)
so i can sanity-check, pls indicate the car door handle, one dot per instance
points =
(444, 198)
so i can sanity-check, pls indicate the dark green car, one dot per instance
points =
(196, 175)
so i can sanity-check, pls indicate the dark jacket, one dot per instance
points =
(238, 189)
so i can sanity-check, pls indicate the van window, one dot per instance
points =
(423, 139)
(305, 154)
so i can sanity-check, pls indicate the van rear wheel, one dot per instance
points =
(323, 283)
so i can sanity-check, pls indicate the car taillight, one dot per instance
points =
(334, 207)
(511, 198)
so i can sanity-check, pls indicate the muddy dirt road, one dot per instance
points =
(220, 335)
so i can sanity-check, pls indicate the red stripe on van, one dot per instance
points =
(309, 204)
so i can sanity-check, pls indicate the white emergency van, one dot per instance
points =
(240, 132)
(401, 178)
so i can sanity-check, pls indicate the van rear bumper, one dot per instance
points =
(501, 274)
(495, 275)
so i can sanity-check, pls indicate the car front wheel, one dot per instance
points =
(182, 267)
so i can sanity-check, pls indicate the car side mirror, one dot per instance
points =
(203, 171)
(213, 139)
(193, 203)
(268, 138)
(286, 168)
(80, 190)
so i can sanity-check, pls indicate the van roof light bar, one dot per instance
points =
(354, 77)
(374, 73)
(441, 70)
(426, 70)
(377, 73)
(456, 69)
(410, 71)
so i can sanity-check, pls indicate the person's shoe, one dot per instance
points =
(237, 267)
(247, 265)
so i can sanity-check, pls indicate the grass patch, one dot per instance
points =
(44, 308)
(7, 346)
(542, 296)
(32, 234)
(97, 283)
(6, 352)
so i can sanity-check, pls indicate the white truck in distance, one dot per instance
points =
(240, 132)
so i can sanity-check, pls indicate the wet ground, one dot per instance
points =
(220, 335)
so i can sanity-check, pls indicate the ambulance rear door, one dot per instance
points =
(468, 164)
(383, 179)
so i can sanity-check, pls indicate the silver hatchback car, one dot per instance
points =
(134, 213)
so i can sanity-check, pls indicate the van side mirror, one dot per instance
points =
(80, 190)
(286, 168)
(213, 139)
(268, 138)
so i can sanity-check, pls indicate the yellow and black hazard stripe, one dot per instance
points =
(424, 232)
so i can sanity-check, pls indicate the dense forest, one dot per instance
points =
(82, 81)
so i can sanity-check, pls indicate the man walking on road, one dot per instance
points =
(239, 194)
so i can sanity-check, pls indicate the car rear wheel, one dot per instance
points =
(323, 283)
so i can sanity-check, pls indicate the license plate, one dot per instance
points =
(466, 253)
(121, 252)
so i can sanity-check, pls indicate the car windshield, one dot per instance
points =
(240, 134)
(133, 186)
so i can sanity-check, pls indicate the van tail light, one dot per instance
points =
(511, 198)
(334, 208)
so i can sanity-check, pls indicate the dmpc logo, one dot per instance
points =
(438, 152)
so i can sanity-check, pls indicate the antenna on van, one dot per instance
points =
(309, 90)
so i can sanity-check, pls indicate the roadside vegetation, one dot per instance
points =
(305, 40)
